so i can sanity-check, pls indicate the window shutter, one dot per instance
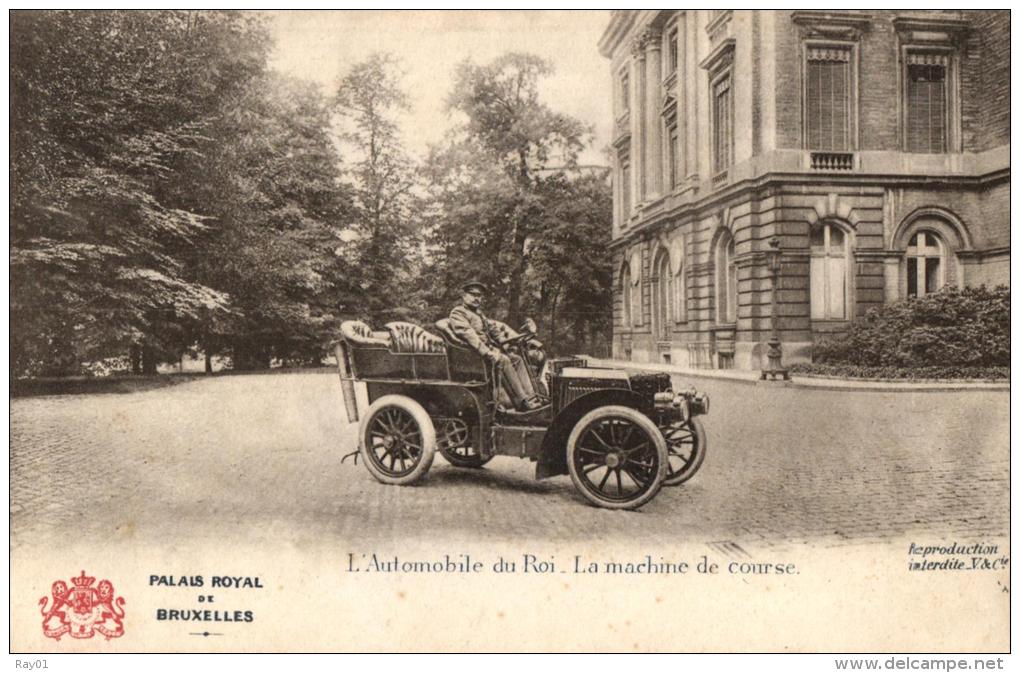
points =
(837, 287)
(827, 108)
(721, 125)
(817, 288)
(926, 103)
(625, 186)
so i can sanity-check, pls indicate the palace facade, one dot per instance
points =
(874, 145)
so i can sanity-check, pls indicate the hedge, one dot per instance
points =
(951, 330)
(905, 373)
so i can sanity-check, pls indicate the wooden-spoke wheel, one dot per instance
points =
(398, 441)
(686, 443)
(454, 442)
(617, 457)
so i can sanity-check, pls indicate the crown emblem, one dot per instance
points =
(82, 611)
(82, 582)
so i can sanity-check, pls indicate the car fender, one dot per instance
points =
(552, 458)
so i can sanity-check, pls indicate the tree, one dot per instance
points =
(511, 207)
(570, 272)
(383, 178)
(279, 209)
(105, 106)
(511, 126)
(167, 191)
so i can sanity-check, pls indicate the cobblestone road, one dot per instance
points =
(258, 458)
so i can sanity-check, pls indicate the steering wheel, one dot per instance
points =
(520, 338)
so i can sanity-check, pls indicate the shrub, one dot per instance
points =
(906, 373)
(968, 327)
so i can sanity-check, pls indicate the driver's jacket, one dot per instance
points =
(474, 328)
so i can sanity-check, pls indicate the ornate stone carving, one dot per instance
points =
(648, 39)
(842, 25)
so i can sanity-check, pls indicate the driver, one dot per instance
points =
(468, 323)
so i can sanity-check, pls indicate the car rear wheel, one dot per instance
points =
(397, 440)
(454, 440)
(617, 457)
(685, 443)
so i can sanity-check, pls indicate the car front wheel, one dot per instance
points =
(686, 443)
(617, 457)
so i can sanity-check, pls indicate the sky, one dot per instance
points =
(322, 45)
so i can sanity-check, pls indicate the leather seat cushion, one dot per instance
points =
(410, 338)
(358, 332)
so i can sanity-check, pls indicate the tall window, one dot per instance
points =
(726, 280)
(827, 99)
(625, 296)
(829, 277)
(625, 186)
(722, 123)
(673, 49)
(673, 153)
(625, 92)
(636, 308)
(927, 103)
(680, 289)
(662, 295)
(925, 264)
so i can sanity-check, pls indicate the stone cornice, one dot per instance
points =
(620, 22)
(716, 26)
(931, 24)
(980, 254)
(720, 57)
(842, 25)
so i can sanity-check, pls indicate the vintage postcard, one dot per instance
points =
(511, 331)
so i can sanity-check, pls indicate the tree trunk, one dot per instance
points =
(136, 359)
(517, 274)
(553, 349)
(148, 360)
(519, 239)
(208, 362)
(249, 356)
(242, 356)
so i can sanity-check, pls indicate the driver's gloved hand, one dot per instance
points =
(492, 354)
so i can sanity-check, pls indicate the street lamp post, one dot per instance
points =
(774, 368)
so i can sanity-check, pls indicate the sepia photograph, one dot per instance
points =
(516, 331)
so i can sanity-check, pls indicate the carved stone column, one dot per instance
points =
(652, 39)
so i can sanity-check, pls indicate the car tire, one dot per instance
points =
(397, 440)
(605, 445)
(453, 439)
(684, 462)
(471, 460)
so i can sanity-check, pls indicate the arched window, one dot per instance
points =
(830, 286)
(926, 267)
(679, 285)
(636, 308)
(662, 295)
(625, 295)
(725, 279)
(931, 239)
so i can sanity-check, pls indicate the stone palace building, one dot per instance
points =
(873, 144)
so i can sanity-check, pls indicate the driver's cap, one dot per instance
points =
(475, 283)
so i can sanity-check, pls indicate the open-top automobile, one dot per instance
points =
(621, 436)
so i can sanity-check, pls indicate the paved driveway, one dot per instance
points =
(257, 458)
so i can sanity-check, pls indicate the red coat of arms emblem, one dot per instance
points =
(82, 609)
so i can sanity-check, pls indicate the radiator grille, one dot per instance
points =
(575, 389)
